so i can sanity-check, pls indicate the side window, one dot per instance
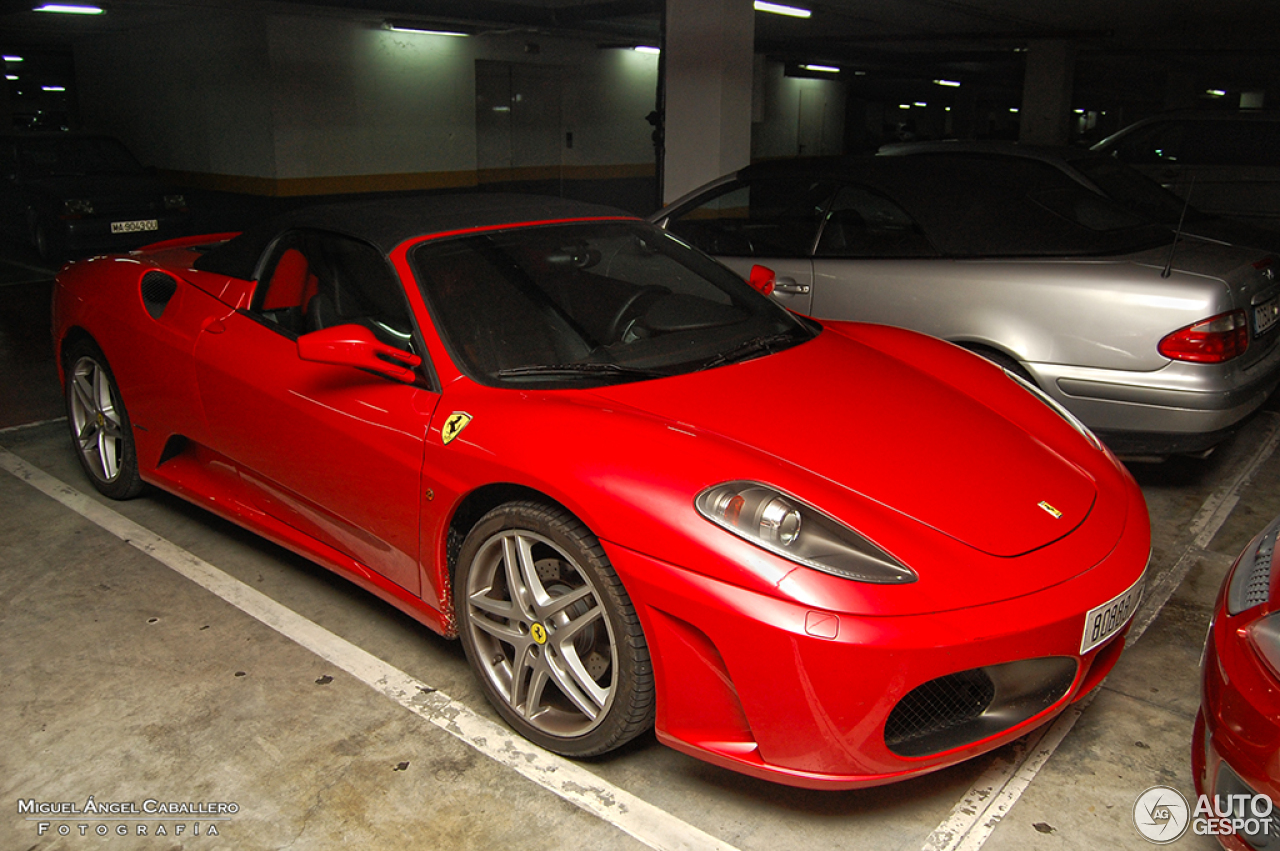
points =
(861, 223)
(315, 280)
(763, 218)
(1156, 143)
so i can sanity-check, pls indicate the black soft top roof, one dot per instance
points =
(387, 222)
(985, 205)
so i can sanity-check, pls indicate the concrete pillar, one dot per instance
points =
(708, 78)
(1046, 92)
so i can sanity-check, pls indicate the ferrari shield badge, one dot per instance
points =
(453, 426)
(1048, 509)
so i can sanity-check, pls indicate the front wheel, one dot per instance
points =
(100, 428)
(551, 632)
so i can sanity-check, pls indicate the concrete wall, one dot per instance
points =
(801, 116)
(294, 104)
(278, 104)
(194, 95)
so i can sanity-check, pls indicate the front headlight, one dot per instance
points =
(1057, 409)
(78, 207)
(787, 527)
(1251, 577)
(1264, 635)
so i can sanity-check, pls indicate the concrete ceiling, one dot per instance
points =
(1129, 51)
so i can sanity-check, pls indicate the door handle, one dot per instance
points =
(790, 287)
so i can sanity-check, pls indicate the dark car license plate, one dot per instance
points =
(135, 226)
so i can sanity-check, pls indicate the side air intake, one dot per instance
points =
(157, 289)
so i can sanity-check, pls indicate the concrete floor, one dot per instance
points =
(127, 682)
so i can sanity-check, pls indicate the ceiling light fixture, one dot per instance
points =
(779, 9)
(644, 48)
(950, 83)
(823, 69)
(422, 29)
(1217, 93)
(11, 58)
(69, 9)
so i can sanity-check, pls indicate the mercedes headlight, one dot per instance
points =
(787, 527)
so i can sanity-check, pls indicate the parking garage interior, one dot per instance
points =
(153, 652)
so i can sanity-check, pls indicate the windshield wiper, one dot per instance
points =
(747, 349)
(579, 370)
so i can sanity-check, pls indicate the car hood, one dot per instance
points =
(905, 438)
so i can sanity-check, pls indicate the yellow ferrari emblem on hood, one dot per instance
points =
(453, 426)
(1049, 509)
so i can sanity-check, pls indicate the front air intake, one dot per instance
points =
(961, 708)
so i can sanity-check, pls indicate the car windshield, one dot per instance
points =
(592, 303)
(75, 156)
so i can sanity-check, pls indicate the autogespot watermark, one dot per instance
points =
(149, 817)
(1162, 815)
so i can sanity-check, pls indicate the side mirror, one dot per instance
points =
(354, 345)
(762, 279)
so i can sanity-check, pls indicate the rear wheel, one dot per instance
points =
(551, 632)
(47, 242)
(100, 428)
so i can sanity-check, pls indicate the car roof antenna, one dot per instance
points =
(1177, 234)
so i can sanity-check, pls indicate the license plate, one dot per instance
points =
(1265, 316)
(135, 226)
(1106, 620)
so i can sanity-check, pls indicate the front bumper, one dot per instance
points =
(779, 690)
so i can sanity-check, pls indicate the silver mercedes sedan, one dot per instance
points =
(1160, 345)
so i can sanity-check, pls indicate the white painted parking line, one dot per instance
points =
(975, 817)
(45, 272)
(654, 827)
(32, 425)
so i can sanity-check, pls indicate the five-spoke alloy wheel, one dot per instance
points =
(551, 631)
(100, 428)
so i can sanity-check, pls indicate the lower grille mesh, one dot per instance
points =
(938, 705)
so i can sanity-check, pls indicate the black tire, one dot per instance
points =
(49, 245)
(550, 631)
(101, 432)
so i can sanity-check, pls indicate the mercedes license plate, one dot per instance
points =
(1106, 620)
(1266, 315)
(135, 226)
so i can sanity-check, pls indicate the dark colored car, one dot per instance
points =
(73, 194)
(1122, 183)
(1237, 732)
(1227, 163)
